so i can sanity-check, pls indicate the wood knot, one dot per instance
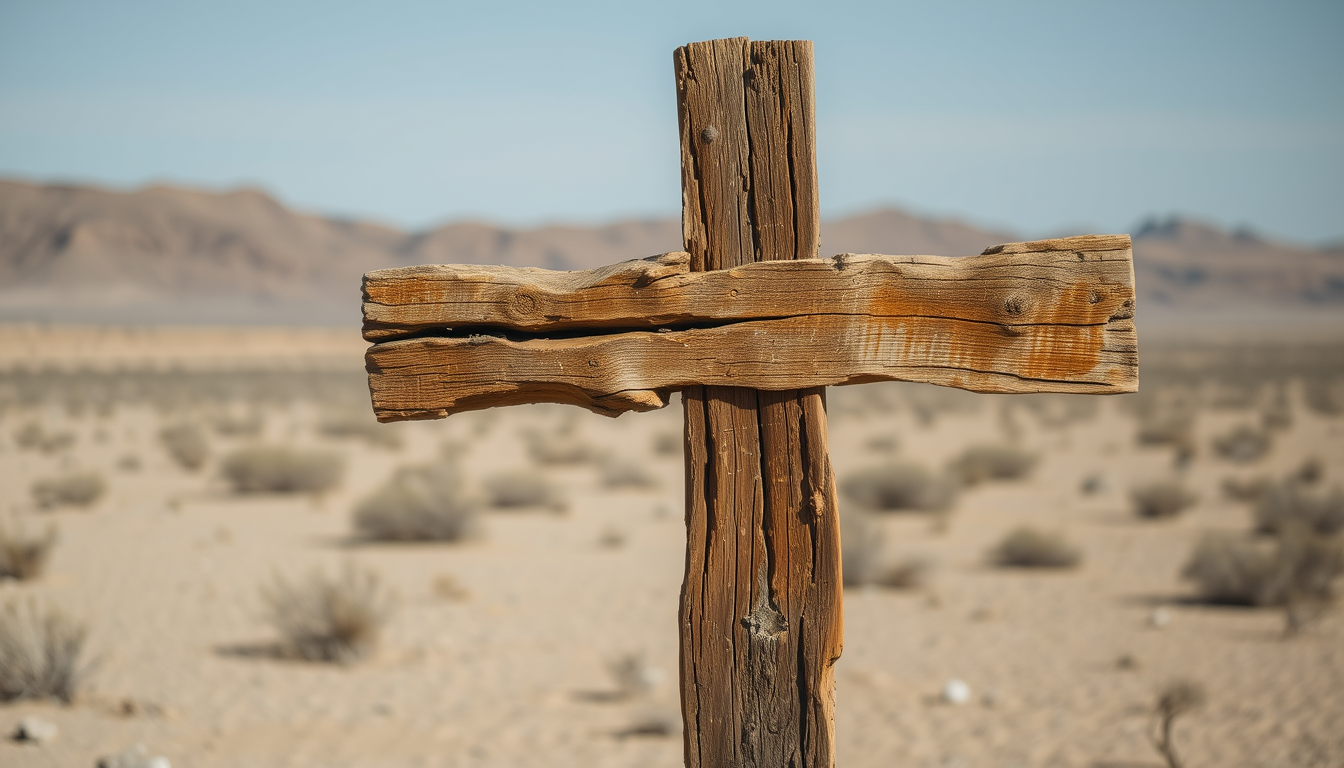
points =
(1015, 305)
(1094, 297)
(523, 303)
(709, 134)
(732, 293)
(592, 362)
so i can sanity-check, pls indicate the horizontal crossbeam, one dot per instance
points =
(1047, 316)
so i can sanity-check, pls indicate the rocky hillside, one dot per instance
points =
(168, 255)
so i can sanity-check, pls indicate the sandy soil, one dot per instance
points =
(512, 671)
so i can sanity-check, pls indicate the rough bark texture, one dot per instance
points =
(761, 603)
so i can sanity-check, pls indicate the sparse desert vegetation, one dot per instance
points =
(898, 487)
(1028, 547)
(1161, 499)
(281, 469)
(497, 658)
(519, 488)
(1299, 566)
(187, 444)
(1243, 444)
(421, 503)
(980, 463)
(1292, 502)
(41, 653)
(323, 618)
(80, 488)
(23, 555)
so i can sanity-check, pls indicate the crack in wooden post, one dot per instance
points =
(761, 602)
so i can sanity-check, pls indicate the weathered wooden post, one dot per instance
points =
(761, 600)
(751, 327)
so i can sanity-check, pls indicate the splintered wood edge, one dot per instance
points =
(661, 291)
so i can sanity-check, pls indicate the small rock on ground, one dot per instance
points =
(134, 756)
(35, 730)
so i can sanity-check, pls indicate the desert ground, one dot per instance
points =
(548, 636)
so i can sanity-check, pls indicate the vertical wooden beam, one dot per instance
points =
(761, 601)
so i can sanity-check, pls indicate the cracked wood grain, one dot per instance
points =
(760, 605)
(1086, 280)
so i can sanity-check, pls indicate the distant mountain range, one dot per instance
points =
(169, 255)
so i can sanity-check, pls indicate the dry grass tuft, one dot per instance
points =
(281, 469)
(40, 653)
(899, 486)
(33, 437)
(992, 462)
(1244, 444)
(187, 445)
(1291, 503)
(23, 557)
(1171, 427)
(558, 448)
(519, 488)
(1161, 499)
(862, 562)
(667, 443)
(1028, 547)
(73, 489)
(1297, 570)
(322, 619)
(1245, 488)
(425, 503)
(360, 425)
(616, 473)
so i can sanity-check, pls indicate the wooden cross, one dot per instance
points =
(751, 327)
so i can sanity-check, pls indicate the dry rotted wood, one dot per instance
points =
(1086, 280)
(760, 604)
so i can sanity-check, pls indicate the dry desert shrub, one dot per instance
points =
(899, 486)
(1299, 568)
(281, 469)
(32, 436)
(1234, 570)
(1167, 427)
(1176, 699)
(1292, 503)
(360, 425)
(324, 619)
(667, 443)
(40, 653)
(1244, 444)
(187, 445)
(559, 447)
(519, 488)
(80, 488)
(616, 473)
(1161, 499)
(992, 462)
(1245, 488)
(22, 556)
(862, 562)
(1028, 547)
(424, 503)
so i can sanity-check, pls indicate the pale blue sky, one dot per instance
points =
(1042, 117)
